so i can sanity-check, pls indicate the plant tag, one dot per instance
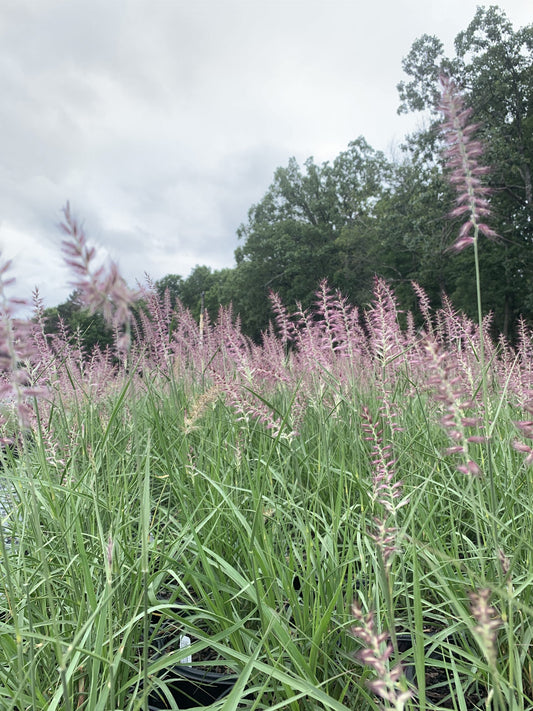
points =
(184, 643)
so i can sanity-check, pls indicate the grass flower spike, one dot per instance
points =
(102, 289)
(462, 155)
(376, 654)
(486, 630)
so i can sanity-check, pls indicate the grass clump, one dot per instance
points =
(161, 511)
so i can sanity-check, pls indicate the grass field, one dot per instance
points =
(248, 496)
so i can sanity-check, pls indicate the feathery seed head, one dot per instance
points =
(376, 654)
(462, 155)
(488, 625)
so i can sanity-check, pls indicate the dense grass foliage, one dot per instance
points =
(247, 496)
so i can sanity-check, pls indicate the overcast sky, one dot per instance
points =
(162, 121)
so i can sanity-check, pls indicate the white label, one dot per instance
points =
(184, 643)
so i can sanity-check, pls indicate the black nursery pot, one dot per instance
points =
(192, 687)
(188, 686)
(406, 641)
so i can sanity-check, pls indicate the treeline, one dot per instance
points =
(365, 214)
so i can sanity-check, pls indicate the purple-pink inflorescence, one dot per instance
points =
(488, 623)
(101, 288)
(462, 153)
(18, 353)
(376, 654)
(460, 424)
(526, 428)
(385, 490)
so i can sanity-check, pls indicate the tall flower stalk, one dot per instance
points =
(389, 684)
(462, 154)
(387, 496)
(101, 288)
(486, 631)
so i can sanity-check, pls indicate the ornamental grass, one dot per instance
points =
(336, 518)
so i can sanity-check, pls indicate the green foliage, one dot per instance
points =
(311, 224)
(155, 502)
(208, 289)
(132, 524)
(173, 283)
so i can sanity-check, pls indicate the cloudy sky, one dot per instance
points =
(162, 121)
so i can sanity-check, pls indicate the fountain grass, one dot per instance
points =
(255, 546)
